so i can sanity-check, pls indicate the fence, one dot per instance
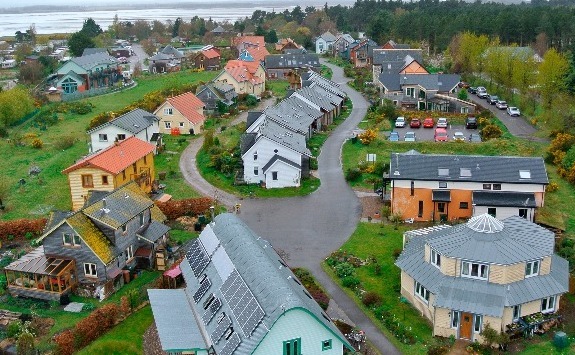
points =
(94, 92)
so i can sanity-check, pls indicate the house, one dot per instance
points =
(89, 250)
(341, 44)
(88, 72)
(286, 44)
(241, 43)
(361, 54)
(392, 45)
(8, 63)
(121, 52)
(182, 114)
(90, 51)
(274, 155)
(245, 77)
(397, 61)
(485, 271)
(432, 187)
(129, 160)
(431, 92)
(240, 298)
(169, 59)
(207, 59)
(326, 102)
(254, 54)
(214, 93)
(323, 43)
(278, 66)
(218, 31)
(136, 123)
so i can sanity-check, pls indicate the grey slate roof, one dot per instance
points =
(89, 61)
(289, 61)
(252, 117)
(313, 77)
(315, 97)
(88, 51)
(518, 241)
(504, 199)
(95, 196)
(55, 218)
(328, 37)
(284, 136)
(393, 60)
(160, 56)
(233, 250)
(489, 169)
(282, 159)
(247, 140)
(155, 231)
(134, 121)
(171, 51)
(333, 98)
(431, 82)
(441, 195)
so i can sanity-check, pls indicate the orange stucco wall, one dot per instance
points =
(408, 206)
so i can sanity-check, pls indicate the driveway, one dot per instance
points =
(307, 229)
(138, 57)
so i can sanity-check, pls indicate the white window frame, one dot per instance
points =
(530, 267)
(547, 301)
(455, 317)
(410, 92)
(477, 323)
(274, 175)
(435, 258)
(129, 253)
(470, 270)
(168, 124)
(181, 124)
(142, 219)
(256, 171)
(442, 184)
(74, 239)
(421, 292)
(102, 137)
(168, 111)
(516, 312)
(90, 270)
(255, 155)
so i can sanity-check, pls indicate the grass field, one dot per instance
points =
(50, 189)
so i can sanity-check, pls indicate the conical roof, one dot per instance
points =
(485, 223)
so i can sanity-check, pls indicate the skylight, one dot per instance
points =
(464, 172)
(443, 171)
(525, 174)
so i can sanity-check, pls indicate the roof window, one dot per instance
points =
(525, 174)
(443, 171)
(464, 172)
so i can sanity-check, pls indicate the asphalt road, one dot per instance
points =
(307, 229)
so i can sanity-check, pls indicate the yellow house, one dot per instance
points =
(129, 160)
(182, 114)
(245, 77)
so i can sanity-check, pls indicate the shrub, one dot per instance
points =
(350, 282)
(19, 227)
(491, 131)
(25, 344)
(367, 137)
(490, 335)
(344, 269)
(552, 187)
(37, 143)
(13, 328)
(65, 142)
(65, 343)
(3, 132)
(352, 174)
(173, 209)
(371, 299)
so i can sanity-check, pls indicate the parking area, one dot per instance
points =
(426, 134)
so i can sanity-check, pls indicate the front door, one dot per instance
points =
(466, 325)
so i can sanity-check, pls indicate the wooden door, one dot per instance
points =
(466, 324)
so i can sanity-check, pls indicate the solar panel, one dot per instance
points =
(204, 286)
(211, 311)
(197, 257)
(220, 329)
(231, 345)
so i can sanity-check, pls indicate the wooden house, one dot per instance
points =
(182, 114)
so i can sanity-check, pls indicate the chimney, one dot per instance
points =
(103, 203)
(212, 213)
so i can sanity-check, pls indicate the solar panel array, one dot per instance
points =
(197, 257)
(221, 329)
(231, 345)
(204, 286)
(211, 311)
(242, 302)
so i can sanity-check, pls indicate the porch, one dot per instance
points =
(39, 276)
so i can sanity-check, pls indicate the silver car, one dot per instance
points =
(409, 137)
(441, 122)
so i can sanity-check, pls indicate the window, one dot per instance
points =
(124, 174)
(69, 86)
(465, 110)
(129, 252)
(443, 185)
(71, 239)
(496, 186)
(255, 155)
(135, 168)
(486, 186)
(422, 292)
(525, 174)
(87, 181)
(168, 111)
(492, 211)
(90, 270)
(441, 207)
(454, 319)
(121, 137)
(435, 258)
(420, 209)
(326, 345)
(124, 229)
(477, 323)
(463, 205)
(181, 124)
(464, 172)
(292, 347)
(523, 213)
(443, 171)
(532, 268)
(142, 219)
(516, 312)
(474, 270)
(167, 124)
(412, 188)
(410, 92)
(104, 179)
(548, 304)
(103, 137)
(274, 175)
(256, 170)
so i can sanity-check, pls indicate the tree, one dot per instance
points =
(91, 28)
(176, 27)
(551, 76)
(15, 104)
(79, 41)
(271, 37)
(31, 73)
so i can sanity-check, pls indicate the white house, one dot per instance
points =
(324, 42)
(240, 298)
(274, 155)
(136, 123)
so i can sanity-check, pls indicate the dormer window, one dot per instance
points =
(435, 258)
(532, 268)
(474, 270)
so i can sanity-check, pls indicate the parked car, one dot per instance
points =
(502, 105)
(415, 123)
(471, 123)
(428, 123)
(513, 111)
(481, 92)
(442, 122)
(394, 137)
(409, 137)
(475, 138)
(472, 90)
(400, 122)
(440, 135)
(123, 60)
(463, 85)
(458, 137)
(492, 99)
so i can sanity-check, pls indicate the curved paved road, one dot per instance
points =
(308, 228)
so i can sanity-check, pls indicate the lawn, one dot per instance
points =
(38, 195)
(168, 162)
(278, 87)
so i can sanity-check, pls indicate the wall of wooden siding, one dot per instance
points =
(78, 192)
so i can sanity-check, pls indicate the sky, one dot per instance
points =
(26, 3)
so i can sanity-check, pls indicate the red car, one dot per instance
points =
(428, 123)
(415, 123)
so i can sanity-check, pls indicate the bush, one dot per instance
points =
(344, 269)
(552, 187)
(65, 142)
(350, 282)
(371, 299)
(490, 335)
(18, 228)
(352, 174)
(367, 137)
(173, 209)
(37, 143)
(491, 131)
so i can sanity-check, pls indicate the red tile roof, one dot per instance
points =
(253, 40)
(258, 53)
(188, 105)
(243, 71)
(211, 53)
(115, 158)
